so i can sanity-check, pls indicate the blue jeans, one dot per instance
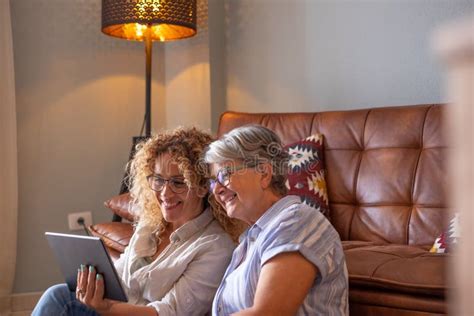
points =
(59, 301)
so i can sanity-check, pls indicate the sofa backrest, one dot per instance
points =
(386, 167)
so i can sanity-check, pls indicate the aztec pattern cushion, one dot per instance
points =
(446, 241)
(306, 174)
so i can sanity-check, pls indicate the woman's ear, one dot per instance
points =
(266, 172)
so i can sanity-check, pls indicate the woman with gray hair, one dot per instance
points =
(290, 260)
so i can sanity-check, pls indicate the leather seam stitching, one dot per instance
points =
(379, 266)
(356, 176)
(311, 127)
(415, 171)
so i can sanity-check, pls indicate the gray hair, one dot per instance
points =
(252, 145)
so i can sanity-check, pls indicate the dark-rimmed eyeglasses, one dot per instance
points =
(223, 175)
(157, 184)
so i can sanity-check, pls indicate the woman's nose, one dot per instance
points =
(218, 188)
(166, 190)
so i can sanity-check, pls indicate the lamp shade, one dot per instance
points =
(168, 19)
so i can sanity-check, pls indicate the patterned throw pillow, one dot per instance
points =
(447, 240)
(306, 174)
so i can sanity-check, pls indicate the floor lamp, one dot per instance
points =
(148, 21)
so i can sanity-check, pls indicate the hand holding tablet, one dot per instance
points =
(86, 266)
(90, 289)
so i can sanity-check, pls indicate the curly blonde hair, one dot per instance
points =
(186, 147)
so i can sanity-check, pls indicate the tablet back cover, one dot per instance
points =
(73, 250)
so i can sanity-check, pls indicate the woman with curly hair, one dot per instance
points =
(181, 244)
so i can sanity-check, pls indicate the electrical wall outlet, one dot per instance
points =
(73, 218)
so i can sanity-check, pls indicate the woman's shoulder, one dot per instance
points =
(216, 236)
(300, 211)
(296, 218)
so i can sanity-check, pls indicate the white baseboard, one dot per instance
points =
(18, 304)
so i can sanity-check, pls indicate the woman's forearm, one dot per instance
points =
(119, 309)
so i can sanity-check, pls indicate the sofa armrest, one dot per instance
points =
(120, 205)
(115, 236)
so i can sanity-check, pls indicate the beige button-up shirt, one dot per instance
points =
(184, 277)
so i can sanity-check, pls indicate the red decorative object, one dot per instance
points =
(306, 172)
(447, 240)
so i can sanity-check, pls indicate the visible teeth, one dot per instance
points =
(170, 204)
(231, 199)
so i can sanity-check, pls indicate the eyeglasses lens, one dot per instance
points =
(158, 184)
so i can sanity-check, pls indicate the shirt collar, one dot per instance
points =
(270, 215)
(193, 226)
(145, 244)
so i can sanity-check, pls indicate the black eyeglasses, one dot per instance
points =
(223, 175)
(157, 184)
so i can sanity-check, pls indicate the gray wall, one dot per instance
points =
(80, 99)
(320, 55)
(80, 94)
(187, 81)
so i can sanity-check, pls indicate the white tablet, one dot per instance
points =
(73, 250)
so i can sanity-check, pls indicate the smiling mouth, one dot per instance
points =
(230, 200)
(170, 206)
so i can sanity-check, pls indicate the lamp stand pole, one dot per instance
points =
(121, 19)
(148, 46)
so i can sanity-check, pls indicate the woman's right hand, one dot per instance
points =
(90, 289)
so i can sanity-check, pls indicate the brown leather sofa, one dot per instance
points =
(386, 178)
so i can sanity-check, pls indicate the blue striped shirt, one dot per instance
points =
(287, 226)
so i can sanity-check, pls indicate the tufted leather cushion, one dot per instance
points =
(396, 267)
(386, 179)
(380, 165)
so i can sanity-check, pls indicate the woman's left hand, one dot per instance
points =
(90, 289)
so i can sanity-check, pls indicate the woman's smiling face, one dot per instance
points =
(177, 209)
(243, 194)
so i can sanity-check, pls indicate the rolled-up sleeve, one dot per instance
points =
(299, 232)
(193, 292)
